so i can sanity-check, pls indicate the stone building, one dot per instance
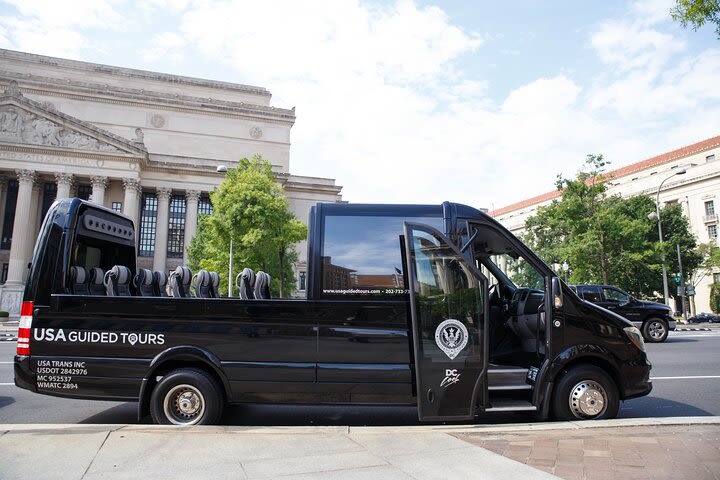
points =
(142, 143)
(697, 191)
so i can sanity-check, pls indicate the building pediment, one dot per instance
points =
(29, 123)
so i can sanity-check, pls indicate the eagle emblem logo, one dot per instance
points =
(451, 336)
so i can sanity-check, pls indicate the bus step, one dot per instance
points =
(508, 405)
(519, 386)
(507, 378)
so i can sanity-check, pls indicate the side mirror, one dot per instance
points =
(557, 296)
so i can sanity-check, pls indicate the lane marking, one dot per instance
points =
(685, 377)
(7, 363)
(6, 384)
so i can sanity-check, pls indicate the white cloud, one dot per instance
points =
(166, 45)
(55, 28)
(386, 102)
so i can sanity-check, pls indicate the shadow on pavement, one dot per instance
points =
(332, 415)
(123, 413)
(5, 401)
(680, 340)
(659, 407)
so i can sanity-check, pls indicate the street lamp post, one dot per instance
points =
(224, 169)
(656, 217)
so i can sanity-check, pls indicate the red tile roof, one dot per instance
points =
(620, 172)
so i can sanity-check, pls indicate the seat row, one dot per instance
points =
(252, 285)
(146, 283)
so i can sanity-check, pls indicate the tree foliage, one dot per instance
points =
(610, 239)
(251, 209)
(715, 297)
(697, 13)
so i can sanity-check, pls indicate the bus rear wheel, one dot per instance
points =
(187, 396)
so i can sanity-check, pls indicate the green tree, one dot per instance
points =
(697, 13)
(250, 208)
(610, 239)
(715, 297)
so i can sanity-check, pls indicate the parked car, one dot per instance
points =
(652, 318)
(704, 317)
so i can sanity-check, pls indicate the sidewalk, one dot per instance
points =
(677, 448)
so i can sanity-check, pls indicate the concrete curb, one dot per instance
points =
(344, 430)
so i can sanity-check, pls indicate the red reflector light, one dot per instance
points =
(23, 342)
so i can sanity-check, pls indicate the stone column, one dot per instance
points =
(161, 229)
(23, 230)
(99, 184)
(64, 184)
(3, 198)
(131, 207)
(191, 210)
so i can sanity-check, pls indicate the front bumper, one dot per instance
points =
(672, 323)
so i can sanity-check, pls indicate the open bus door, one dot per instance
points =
(449, 309)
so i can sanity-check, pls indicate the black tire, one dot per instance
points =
(578, 391)
(655, 330)
(187, 396)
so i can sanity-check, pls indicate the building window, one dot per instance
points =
(84, 192)
(710, 158)
(8, 221)
(148, 225)
(204, 207)
(49, 194)
(712, 231)
(117, 207)
(176, 227)
(3, 274)
(709, 208)
(302, 277)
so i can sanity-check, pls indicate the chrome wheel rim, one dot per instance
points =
(656, 329)
(588, 399)
(184, 405)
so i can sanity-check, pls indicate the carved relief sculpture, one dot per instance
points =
(20, 125)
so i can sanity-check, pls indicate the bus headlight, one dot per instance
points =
(635, 337)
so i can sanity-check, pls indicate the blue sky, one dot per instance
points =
(419, 102)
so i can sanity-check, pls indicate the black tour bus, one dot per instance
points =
(437, 306)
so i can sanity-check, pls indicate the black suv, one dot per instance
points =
(653, 319)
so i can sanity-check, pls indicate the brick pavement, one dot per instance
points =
(676, 452)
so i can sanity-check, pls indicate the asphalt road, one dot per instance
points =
(686, 380)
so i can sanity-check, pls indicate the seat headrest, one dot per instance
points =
(262, 285)
(183, 275)
(78, 274)
(160, 277)
(203, 278)
(144, 277)
(96, 276)
(214, 279)
(121, 273)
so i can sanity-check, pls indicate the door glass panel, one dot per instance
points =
(448, 300)
(613, 295)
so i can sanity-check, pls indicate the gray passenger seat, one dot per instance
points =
(117, 281)
(180, 282)
(214, 284)
(159, 283)
(262, 285)
(143, 283)
(79, 281)
(96, 286)
(202, 284)
(245, 281)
